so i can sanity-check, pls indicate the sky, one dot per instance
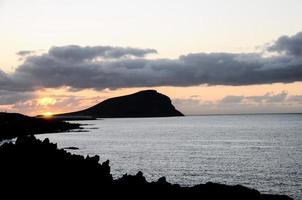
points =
(208, 56)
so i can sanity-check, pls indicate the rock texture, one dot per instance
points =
(147, 103)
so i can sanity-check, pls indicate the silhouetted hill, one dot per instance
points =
(31, 167)
(14, 124)
(148, 103)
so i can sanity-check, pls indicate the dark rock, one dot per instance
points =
(31, 167)
(70, 148)
(14, 125)
(162, 180)
(148, 103)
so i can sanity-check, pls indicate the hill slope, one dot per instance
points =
(147, 103)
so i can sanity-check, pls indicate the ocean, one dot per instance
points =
(259, 151)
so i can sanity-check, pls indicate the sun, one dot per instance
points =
(46, 101)
(47, 114)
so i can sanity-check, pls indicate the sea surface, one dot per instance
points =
(259, 151)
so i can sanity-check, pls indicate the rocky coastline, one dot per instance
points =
(33, 165)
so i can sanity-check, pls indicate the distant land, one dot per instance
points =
(15, 124)
(146, 103)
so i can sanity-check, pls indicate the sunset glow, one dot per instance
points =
(46, 101)
(48, 114)
(199, 53)
(189, 97)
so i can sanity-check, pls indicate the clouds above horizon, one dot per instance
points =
(12, 97)
(238, 104)
(101, 67)
(266, 98)
(195, 104)
(33, 104)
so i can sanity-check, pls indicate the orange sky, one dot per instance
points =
(173, 28)
(62, 100)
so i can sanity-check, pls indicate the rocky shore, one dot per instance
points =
(37, 167)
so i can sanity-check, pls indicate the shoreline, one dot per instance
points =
(27, 153)
(44, 163)
(13, 125)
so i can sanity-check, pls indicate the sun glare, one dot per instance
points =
(48, 114)
(46, 101)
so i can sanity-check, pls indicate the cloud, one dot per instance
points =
(77, 53)
(266, 98)
(232, 99)
(7, 84)
(101, 67)
(10, 97)
(25, 52)
(190, 106)
(288, 45)
(62, 104)
(277, 98)
(232, 104)
(269, 98)
(296, 98)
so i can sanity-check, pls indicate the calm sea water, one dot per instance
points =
(259, 151)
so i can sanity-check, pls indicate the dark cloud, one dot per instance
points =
(25, 52)
(103, 67)
(10, 97)
(3, 77)
(188, 70)
(78, 53)
(288, 45)
(5, 81)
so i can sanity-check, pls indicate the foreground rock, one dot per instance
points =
(148, 103)
(14, 125)
(36, 167)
